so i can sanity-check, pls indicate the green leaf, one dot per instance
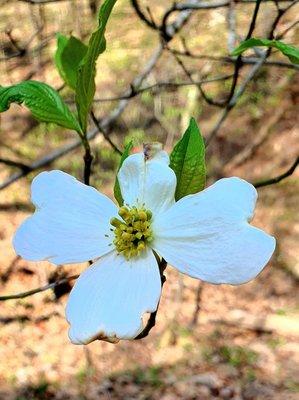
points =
(289, 51)
(69, 54)
(85, 89)
(117, 192)
(61, 43)
(187, 159)
(42, 100)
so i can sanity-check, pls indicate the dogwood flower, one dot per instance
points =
(204, 235)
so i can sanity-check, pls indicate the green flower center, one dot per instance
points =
(133, 231)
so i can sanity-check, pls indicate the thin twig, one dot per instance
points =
(278, 178)
(208, 99)
(231, 24)
(290, 27)
(234, 99)
(149, 22)
(104, 132)
(207, 5)
(238, 63)
(235, 96)
(232, 60)
(112, 117)
(28, 51)
(17, 164)
(38, 290)
(167, 84)
(20, 49)
(198, 296)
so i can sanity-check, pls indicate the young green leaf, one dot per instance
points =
(289, 51)
(61, 41)
(69, 54)
(117, 192)
(42, 100)
(85, 88)
(187, 159)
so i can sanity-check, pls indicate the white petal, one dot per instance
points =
(207, 236)
(69, 224)
(110, 297)
(151, 182)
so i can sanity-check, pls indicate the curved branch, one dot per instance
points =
(278, 178)
(142, 16)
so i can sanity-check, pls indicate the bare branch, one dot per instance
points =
(206, 5)
(234, 99)
(169, 85)
(104, 132)
(290, 27)
(232, 60)
(231, 24)
(208, 99)
(278, 178)
(142, 16)
(107, 122)
(16, 164)
(104, 124)
(238, 63)
(202, 5)
(25, 47)
(20, 49)
(38, 290)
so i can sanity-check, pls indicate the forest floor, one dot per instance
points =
(209, 342)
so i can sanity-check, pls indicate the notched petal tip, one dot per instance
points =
(101, 335)
(79, 338)
(111, 337)
(110, 298)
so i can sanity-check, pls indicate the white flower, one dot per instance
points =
(205, 235)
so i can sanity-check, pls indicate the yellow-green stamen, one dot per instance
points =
(133, 231)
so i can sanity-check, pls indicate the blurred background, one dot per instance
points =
(164, 63)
